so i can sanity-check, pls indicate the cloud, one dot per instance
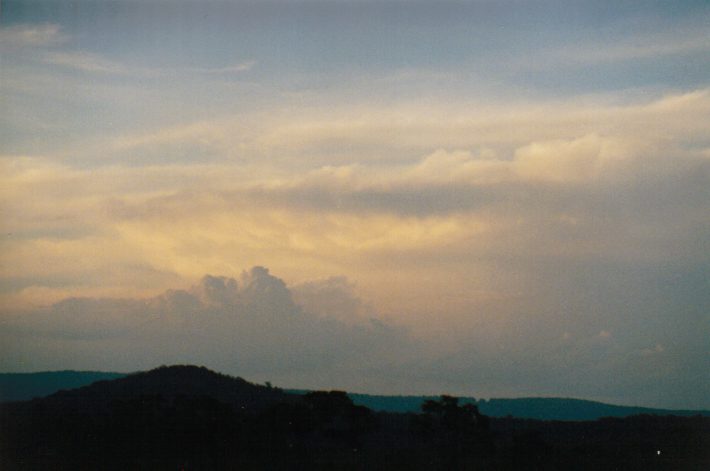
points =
(98, 64)
(333, 297)
(505, 222)
(91, 63)
(650, 46)
(299, 138)
(562, 161)
(31, 35)
(321, 334)
(505, 257)
(236, 68)
(634, 190)
(247, 326)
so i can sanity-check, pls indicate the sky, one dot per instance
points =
(481, 198)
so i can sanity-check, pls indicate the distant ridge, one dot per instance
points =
(548, 408)
(24, 386)
(542, 408)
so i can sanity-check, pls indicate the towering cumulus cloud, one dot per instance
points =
(250, 326)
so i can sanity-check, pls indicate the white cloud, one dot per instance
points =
(565, 161)
(296, 138)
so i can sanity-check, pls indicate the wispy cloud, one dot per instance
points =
(31, 35)
(236, 68)
(98, 64)
(92, 63)
(607, 51)
(381, 135)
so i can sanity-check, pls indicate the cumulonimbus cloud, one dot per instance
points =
(251, 325)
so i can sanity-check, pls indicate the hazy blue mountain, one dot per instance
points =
(399, 404)
(544, 408)
(23, 386)
(549, 408)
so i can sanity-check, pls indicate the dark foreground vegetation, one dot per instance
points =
(191, 418)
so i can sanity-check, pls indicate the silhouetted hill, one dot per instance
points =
(179, 417)
(170, 382)
(187, 417)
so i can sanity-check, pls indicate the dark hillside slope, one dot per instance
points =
(158, 419)
(186, 417)
(170, 382)
(180, 417)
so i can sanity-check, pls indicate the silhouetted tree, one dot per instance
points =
(448, 414)
(459, 434)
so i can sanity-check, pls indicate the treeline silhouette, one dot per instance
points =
(190, 418)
